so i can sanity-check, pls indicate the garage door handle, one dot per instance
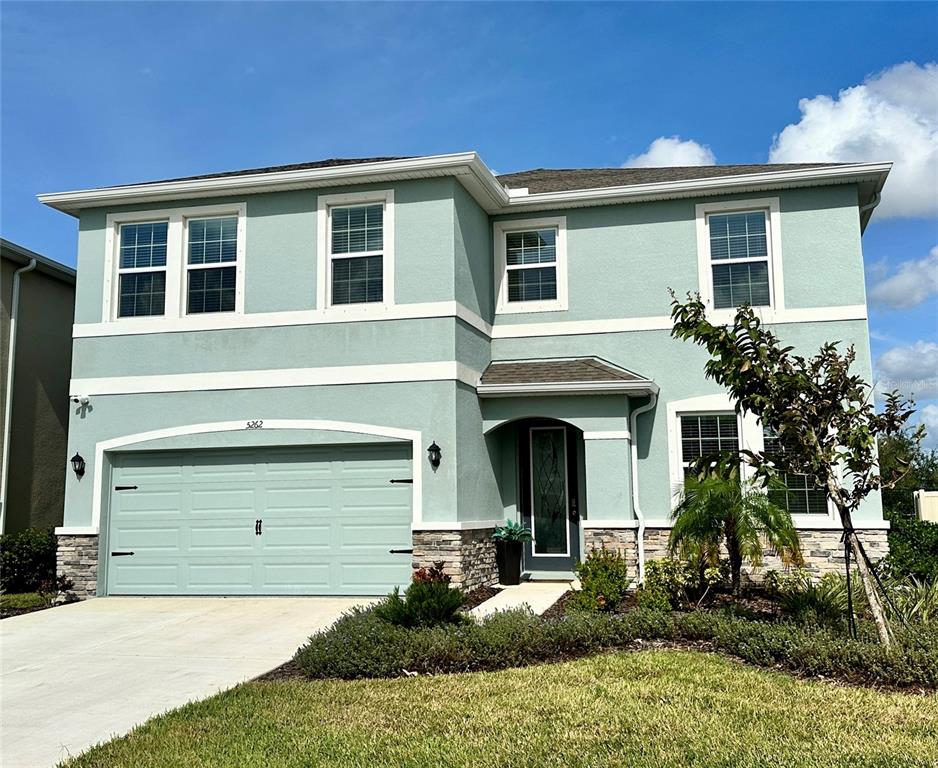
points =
(405, 480)
(125, 487)
(120, 554)
(401, 551)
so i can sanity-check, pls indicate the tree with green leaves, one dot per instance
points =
(822, 413)
(718, 509)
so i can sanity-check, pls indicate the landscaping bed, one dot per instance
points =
(24, 602)
(663, 708)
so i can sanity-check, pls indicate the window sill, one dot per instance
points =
(526, 307)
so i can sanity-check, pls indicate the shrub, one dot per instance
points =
(604, 580)
(27, 559)
(654, 598)
(682, 582)
(913, 548)
(427, 602)
(820, 602)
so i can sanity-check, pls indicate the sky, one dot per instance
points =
(95, 94)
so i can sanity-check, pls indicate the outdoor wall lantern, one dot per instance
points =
(78, 464)
(435, 454)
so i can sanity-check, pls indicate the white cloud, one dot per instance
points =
(913, 282)
(929, 417)
(890, 116)
(672, 151)
(912, 369)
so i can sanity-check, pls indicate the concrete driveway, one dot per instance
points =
(79, 674)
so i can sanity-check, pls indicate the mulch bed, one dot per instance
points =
(477, 596)
(559, 609)
(9, 613)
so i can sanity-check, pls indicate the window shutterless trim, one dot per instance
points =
(176, 260)
(500, 231)
(324, 256)
(770, 205)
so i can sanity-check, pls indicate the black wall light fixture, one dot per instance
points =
(78, 465)
(435, 454)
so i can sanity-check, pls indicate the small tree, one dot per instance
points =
(822, 413)
(717, 508)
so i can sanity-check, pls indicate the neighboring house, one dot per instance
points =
(37, 303)
(269, 354)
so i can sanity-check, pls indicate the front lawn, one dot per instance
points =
(24, 602)
(650, 708)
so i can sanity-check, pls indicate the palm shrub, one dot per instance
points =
(717, 509)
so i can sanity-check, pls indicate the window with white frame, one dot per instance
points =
(174, 263)
(211, 264)
(707, 435)
(357, 253)
(532, 261)
(141, 269)
(739, 255)
(800, 496)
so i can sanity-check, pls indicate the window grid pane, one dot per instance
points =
(357, 229)
(800, 495)
(534, 247)
(358, 280)
(736, 284)
(143, 245)
(709, 435)
(538, 284)
(739, 236)
(211, 290)
(213, 241)
(142, 294)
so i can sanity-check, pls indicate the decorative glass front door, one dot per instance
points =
(550, 503)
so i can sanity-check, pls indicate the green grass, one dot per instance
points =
(653, 708)
(24, 601)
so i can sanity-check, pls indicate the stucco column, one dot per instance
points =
(608, 477)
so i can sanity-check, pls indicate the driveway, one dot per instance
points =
(79, 674)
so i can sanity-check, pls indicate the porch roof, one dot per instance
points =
(561, 376)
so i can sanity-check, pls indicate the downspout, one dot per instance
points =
(640, 540)
(872, 204)
(8, 406)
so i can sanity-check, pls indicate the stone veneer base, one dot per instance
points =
(823, 550)
(468, 556)
(77, 559)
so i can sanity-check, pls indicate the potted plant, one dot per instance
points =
(509, 545)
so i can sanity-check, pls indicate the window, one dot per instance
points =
(738, 252)
(174, 263)
(211, 243)
(142, 269)
(800, 495)
(532, 274)
(357, 254)
(707, 435)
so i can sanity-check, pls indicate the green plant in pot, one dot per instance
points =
(509, 546)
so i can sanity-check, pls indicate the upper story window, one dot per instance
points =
(711, 434)
(356, 241)
(800, 496)
(142, 269)
(739, 259)
(175, 263)
(531, 265)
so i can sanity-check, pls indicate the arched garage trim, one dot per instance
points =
(414, 436)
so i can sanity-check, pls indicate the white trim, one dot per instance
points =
(76, 530)
(423, 311)
(610, 434)
(176, 269)
(324, 255)
(616, 524)
(276, 377)
(471, 172)
(415, 437)
(500, 229)
(817, 523)
(568, 388)
(465, 525)
(768, 205)
(566, 489)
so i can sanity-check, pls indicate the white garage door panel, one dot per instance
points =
(330, 516)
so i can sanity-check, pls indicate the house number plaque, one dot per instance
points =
(258, 424)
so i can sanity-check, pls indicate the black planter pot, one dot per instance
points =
(508, 559)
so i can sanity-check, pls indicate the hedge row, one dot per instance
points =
(361, 645)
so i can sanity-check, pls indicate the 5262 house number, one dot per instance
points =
(258, 424)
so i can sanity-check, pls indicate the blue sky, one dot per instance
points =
(106, 93)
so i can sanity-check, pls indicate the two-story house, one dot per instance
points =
(306, 379)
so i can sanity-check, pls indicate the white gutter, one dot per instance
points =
(877, 197)
(640, 540)
(8, 406)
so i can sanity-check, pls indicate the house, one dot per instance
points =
(308, 379)
(37, 299)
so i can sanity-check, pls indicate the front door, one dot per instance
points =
(549, 497)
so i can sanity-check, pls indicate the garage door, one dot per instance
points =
(268, 521)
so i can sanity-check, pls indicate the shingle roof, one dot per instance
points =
(556, 371)
(563, 179)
